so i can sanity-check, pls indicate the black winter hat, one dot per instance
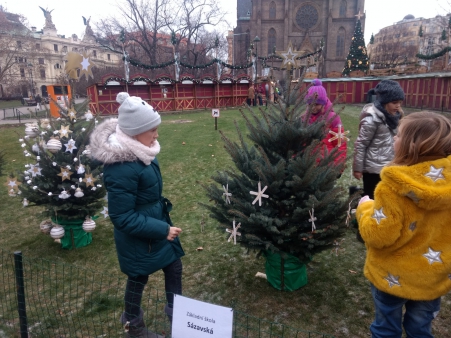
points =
(389, 91)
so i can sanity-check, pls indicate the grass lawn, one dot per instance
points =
(10, 104)
(335, 301)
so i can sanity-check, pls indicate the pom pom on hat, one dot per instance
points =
(389, 91)
(135, 115)
(120, 98)
(316, 93)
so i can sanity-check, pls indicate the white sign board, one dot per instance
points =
(215, 112)
(196, 319)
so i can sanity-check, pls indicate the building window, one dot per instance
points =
(272, 10)
(341, 37)
(64, 50)
(22, 72)
(41, 61)
(94, 53)
(55, 47)
(42, 73)
(19, 44)
(74, 49)
(57, 66)
(108, 56)
(272, 40)
(38, 46)
(343, 6)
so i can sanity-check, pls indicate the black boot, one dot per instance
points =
(136, 328)
(169, 311)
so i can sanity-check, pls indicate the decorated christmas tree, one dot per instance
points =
(60, 175)
(281, 199)
(357, 58)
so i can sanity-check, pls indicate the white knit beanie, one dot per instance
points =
(135, 115)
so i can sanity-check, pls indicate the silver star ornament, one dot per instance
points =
(435, 173)
(392, 280)
(378, 215)
(433, 256)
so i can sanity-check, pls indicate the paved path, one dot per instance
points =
(27, 114)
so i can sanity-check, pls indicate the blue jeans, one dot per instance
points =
(388, 321)
(135, 287)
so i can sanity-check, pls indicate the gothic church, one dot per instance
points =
(304, 23)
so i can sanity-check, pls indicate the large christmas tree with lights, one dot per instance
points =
(357, 58)
(281, 199)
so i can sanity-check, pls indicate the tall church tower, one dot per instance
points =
(304, 23)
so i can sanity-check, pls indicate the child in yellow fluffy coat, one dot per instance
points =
(407, 229)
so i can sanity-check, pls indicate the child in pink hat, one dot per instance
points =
(320, 109)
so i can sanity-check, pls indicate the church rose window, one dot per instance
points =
(307, 17)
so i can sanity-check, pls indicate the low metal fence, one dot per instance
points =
(39, 298)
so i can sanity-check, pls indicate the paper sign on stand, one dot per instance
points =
(215, 112)
(196, 319)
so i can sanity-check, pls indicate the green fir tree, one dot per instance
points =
(284, 154)
(357, 58)
(443, 35)
(420, 32)
(372, 39)
(60, 175)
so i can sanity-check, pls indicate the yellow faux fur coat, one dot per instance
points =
(407, 230)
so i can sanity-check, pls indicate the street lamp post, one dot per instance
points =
(255, 41)
(30, 70)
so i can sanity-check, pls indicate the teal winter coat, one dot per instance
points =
(139, 212)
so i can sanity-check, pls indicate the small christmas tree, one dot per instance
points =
(61, 176)
(372, 39)
(357, 58)
(282, 198)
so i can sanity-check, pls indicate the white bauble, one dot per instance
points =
(31, 130)
(46, 226)
(54, 145)
(35, 148)
(89, 225)
(57, 232)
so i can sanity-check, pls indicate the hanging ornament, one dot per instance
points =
(70, 146)
(25, 202)
(31, 130)
(104, 212)
(64, 131)
(312, 219)
(57, 232)
(12, 193)
(35, 148)
(234, 232)
(89, 180)
(87, 150)
(54, 145)
(64, 195)
(72, 113)
(45, 226)
(226, 193)
(12, 183)
(89, 225)
(88, 115)
(340, 135)
(35, 170)
(45, 124)
(259, 194)
(78, 193)
(80, 169)
(65, 174)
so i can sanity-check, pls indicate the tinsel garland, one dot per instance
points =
(433, 56)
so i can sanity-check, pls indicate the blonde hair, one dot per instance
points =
(423, 135)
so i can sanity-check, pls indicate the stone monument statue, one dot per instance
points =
(48, 18)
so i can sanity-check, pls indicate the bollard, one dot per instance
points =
(18, 267)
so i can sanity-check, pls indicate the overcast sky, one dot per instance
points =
(67, 15)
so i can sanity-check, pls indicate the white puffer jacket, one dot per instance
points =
(373, 148)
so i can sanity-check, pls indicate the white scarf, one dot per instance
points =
(144, 153)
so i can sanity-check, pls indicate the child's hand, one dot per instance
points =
(364, 199)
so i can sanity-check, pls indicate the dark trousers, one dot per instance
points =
(369, 184)
(135, 287)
